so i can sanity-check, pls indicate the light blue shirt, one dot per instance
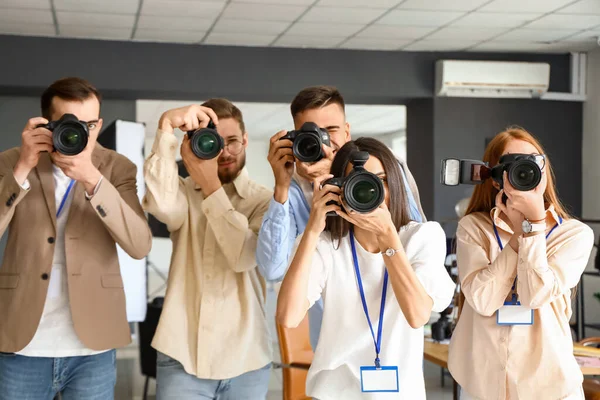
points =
(281, 225)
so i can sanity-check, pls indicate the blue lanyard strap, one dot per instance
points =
(377, 342)
(514, 295)
(64, 199)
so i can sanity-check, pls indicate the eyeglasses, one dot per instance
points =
(540, 160)
(234, 147)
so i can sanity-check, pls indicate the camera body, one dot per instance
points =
(206, 143)
(362, 191)
(442, 328)
(308, 142)
(69, 135)
(523, 171)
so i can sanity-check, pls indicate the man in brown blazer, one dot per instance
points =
(62, 303)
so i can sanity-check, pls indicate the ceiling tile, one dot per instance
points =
(155, 22)
(564, 21)
(182, 8)
(277, 2)
(342, 15)
(168, 35)
(437, 5)
(9, 28)
(440, 45)
(316, 29)
(583, 7)
(90, 6)
(245, 26)
(587, 36)
(239, 39)
(374, 44)
(534, 35)
(308, 41)
(95, 19)
(39, 4)
(478, 34)
(358, 3)
(419, 18)
(94, 32)
(263, 12)
(485, 19)
(524, 6)
(392, 32)
(29, 17)
(528, 47)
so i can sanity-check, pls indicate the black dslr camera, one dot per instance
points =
(69, 134)
(442, 329)
(362, 191)
(308, 142)
(524, 171)
(206, 142)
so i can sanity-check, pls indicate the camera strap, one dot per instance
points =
(64, 199)
(514, 294)
(377, 341)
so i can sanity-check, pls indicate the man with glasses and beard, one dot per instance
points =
(212, 337)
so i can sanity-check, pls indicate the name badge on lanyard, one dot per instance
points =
(512, 312)
(375, 378)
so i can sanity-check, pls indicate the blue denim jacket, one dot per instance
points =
(282, 224)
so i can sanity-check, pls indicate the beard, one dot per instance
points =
(228, 174)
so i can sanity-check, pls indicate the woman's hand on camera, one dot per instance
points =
(378, 221)
(530, 203)
(321, 196)
(514, 216)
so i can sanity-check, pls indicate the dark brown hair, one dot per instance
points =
(337, 226)
(225, 109)
(316, 97)
(70, 89)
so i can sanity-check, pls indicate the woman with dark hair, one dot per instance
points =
(371, 343)
(519, 257)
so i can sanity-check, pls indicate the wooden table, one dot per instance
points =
(437, 353)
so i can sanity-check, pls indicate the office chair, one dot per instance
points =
(296, 358)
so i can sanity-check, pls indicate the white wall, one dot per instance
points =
(591, 179)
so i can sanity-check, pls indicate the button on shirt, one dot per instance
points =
(536, 361)
(214, 316)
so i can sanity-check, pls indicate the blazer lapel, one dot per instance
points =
(46, 177)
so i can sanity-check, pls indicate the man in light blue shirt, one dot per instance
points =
(289, 209)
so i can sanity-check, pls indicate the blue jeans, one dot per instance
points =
(172, 382)
(41, 378)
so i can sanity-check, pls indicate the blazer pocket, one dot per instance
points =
(112, 281)
(9, 281)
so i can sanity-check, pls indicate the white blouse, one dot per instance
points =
(345, 342)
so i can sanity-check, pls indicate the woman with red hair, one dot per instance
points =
(519, 255)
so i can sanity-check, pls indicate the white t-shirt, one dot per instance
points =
(345, 342)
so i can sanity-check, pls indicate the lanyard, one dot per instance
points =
(514, 296)
(377, 342)
(64, 199)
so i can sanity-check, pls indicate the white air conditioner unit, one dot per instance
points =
(456, 78)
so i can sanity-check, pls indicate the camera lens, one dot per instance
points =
(307, 147)
(524, 175)
(206, 143)
(70, 138)
(364, 192)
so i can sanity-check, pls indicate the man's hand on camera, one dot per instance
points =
(33, 142)
(79, 167)
(281, 158)
(188, 118)
(204, 172)
(311, 171)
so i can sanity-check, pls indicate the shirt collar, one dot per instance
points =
(241, 184)
(552, 218)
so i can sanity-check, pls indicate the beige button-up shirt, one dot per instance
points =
(214, 317)
(536, 361)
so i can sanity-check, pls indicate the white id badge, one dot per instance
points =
(514, 314)
(384, 379)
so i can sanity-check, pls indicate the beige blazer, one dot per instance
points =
(113, 215)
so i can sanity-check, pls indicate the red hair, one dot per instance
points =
(484, 195)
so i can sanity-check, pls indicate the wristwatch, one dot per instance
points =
(529, 227)
(390, 252)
